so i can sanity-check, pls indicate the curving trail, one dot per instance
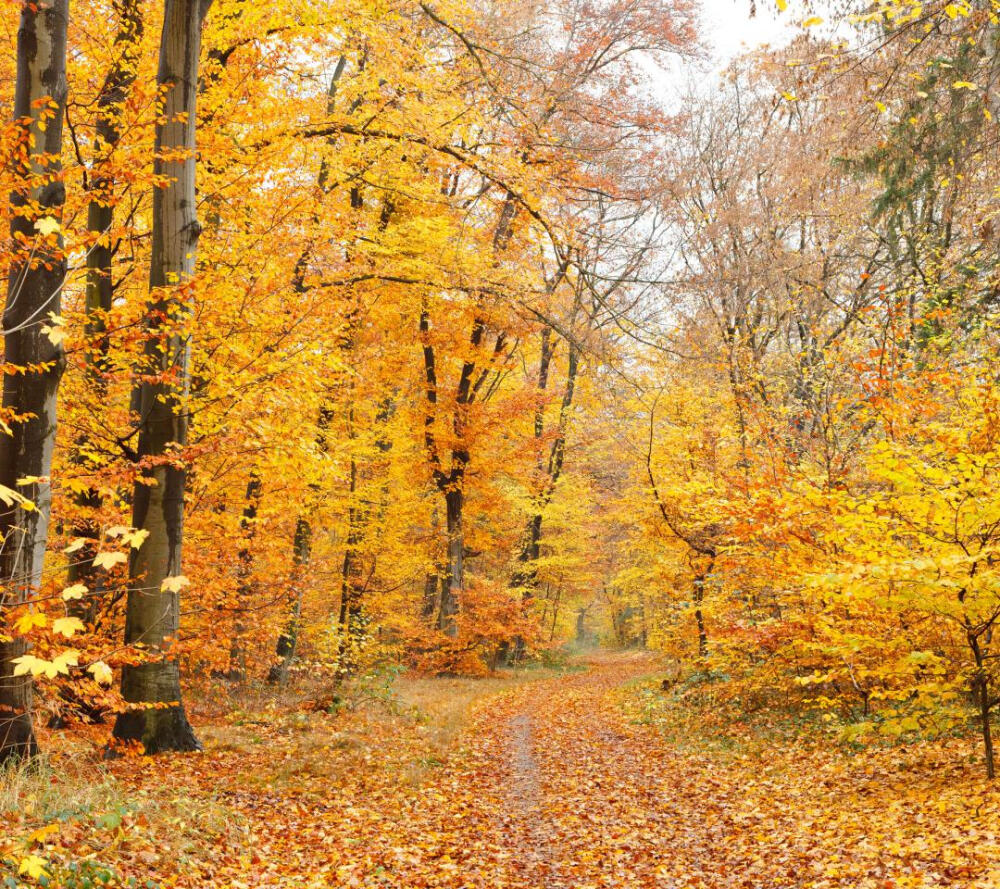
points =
(552, 785)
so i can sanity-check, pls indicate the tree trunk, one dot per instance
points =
(153, 613)
(981, 692)
(433, 585)
(699, 617)
(525, 575)
(100, 288)
(288, 641)
(244, 580)
(351, 585)
(34, 290)
(451, 590)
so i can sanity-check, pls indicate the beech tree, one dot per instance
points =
(33, 354)
(163, 382)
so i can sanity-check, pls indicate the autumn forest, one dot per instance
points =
(448, 443)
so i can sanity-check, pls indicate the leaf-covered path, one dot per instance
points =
(563, 783)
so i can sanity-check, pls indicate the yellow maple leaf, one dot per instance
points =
(109, 560)
(33, 867)
(174, 584)
(76, 591)
(135, 539)
(43, 833)
(62, 662)
(101, 672)
(27, 622)
(67, 626)
(47, 225)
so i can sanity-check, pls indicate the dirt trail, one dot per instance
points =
(551, 785)
(541, 793)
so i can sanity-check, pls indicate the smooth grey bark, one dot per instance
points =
(525, 575)
(34, 290)
(245, 586)
(158, 720)
(100, 286)
(288, 641)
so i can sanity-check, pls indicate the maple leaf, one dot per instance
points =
(35, 666)
(67, 626)
(47, 225)
(174, 584)
(101, 672)
(33, 867)
(108, 560)
(74, 591)
(27, 622)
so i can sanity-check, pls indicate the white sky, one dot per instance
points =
(727, 27)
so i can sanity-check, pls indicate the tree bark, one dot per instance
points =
(451, 589)
(351, 584)
(244, 580)
(34, 290)
(981, 692)
(158, 720)
(288, 641)
(699, 617)
(100, 286)
(525, 576)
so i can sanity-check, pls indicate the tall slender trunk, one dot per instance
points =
(451, 590)
(288, 641)
(525, 576)
(152, 619)
(555, 613)
(699, 617)
(351, 584)
(981, 693)
(33, 291)
(244, 579)
(100, 287)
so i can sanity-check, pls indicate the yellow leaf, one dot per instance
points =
(28, 663)
(109, 560)
(813, 20)
(782, 5)
(61, 663)
(55, 334)
(788, 97)
(174, 584)
(27, 622)
(76, 591)
(135, 539)
(101, 672)
(47, 225)
(33, 867)
(43, 833)
(9, 496)
(67, 626)
(78, 544)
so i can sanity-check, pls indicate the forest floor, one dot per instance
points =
(584, 779)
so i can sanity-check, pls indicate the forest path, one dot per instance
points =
(546, 789)
(577, 781)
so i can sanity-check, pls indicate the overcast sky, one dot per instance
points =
(727, 26)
